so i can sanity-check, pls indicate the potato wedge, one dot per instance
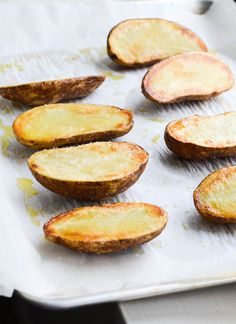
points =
(189, 76)
(215, 197)
(106, 228)
(139, 42)
(91, 171)
(199, 137)
(62, 124)
(52, 91)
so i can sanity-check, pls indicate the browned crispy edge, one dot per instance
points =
(190, 151)
(114, 58)
(52, 91)
(207, 212)
(89, 190)
(77, 139)
(100, 247)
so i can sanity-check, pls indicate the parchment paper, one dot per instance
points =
(47, 41)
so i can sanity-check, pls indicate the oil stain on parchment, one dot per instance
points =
(7, 110)
(93, 52)
(26, 186)
(185, 226)
(157, 119)
(142, 109)
(113, 76)
(155, 138)
(74, 57)
(8, 66)
(138, 250)
(94, 55)
(5, 138)
(9, 148)
(89, 54)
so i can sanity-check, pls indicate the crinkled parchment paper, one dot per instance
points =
(47, 41)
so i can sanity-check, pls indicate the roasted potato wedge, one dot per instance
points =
(215, 197)
(139, 42)
(91, 171)
(62, 124)
(106, 228)
(199, 137)
(189, 76)
(44, 92)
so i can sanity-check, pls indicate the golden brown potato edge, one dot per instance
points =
(190, 151)
(73, 140)
(103, 247)
(207, 212)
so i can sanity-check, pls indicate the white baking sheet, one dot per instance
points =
(46, 41)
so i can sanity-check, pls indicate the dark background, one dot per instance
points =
(19, 311)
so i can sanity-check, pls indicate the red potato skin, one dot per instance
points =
(53, 91)
(165, 100)
(181, 99)
(148, 62)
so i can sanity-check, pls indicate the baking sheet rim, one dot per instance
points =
(130, 294)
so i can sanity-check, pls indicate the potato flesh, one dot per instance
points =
(67, 120)
(101, 223)
(212, 131)
(90, 162)
(141, 40)
(191, 74)
(219, 193)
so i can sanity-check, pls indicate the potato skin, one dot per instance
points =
(77, 139)
(164, 100)
(52, 91)
(190, 151)
(103, 247)
(176, 100)
(111, 52)
(207, 212)
(89, 190)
